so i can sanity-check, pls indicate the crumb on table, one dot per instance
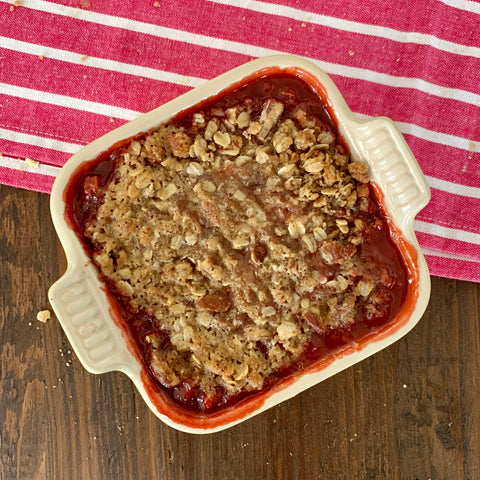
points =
(43, 316)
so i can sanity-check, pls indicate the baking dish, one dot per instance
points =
(92, 325)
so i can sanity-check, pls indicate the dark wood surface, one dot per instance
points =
(409, 412)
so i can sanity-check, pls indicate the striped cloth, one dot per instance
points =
(71, 70)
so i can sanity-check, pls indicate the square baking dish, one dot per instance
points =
(81, 303)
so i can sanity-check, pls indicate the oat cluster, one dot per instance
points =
(238, 230)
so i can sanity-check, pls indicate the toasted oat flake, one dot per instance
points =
(239, 195)
(287, 330)
(262, 156)
(342, 225)
(195, 169)
(304, 302)
(212, 127)
(310, 243)
(135, 147)
(243, 120)
(208, 186)
(168, 191)
(32, 163)
(319, 233)
(268, 311)
(314, 165)
(178, 308)
(176, 242)
(287, 170)
(222, 139)
(296, 228)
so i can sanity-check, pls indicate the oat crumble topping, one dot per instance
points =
(239, 230)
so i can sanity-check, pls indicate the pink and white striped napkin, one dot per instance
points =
(71, 70)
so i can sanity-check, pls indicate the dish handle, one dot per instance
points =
(393, 167)
(83, 312)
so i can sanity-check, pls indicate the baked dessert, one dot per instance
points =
(241, 242)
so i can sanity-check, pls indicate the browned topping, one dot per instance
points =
(179, 144)
(215, 302)
(238, 230)
(334, 251)
(358, 171)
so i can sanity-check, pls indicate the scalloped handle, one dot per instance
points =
(84, 316)
(393, 165)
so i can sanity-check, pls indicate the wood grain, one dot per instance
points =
(410, 412)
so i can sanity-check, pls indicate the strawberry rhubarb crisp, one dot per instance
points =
(241, 241)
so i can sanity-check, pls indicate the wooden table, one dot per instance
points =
(409, 412)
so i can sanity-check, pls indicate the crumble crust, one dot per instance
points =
(239, 232)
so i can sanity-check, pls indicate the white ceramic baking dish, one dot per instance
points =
(82, 307)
